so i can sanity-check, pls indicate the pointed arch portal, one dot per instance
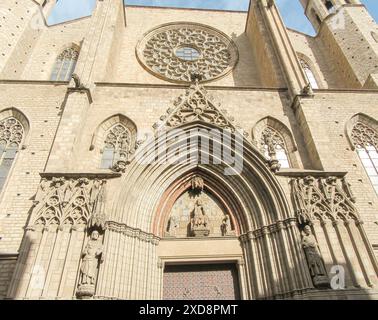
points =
(262, 234)
(197, 214)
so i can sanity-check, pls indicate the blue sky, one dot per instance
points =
(291, 10)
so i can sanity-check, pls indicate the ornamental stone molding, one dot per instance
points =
(323, 199)
(174, 51)
(132, 232)
(198, 105)
(74, 202)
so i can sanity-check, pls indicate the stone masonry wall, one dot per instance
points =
(327, 115)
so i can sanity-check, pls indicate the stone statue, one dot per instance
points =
(199, 220)
(91, 255)
(225, 226)
(314, 260)
(274, 164)
(269, 143)
(173, 225)
(197, 184)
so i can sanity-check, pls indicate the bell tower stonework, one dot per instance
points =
(349, 36)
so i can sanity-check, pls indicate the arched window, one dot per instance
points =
(309, 74)
(11, 136)
(365, 139)
(272, 141)
(65, 65)
(117, 146)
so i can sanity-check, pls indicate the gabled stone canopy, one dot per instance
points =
(197, 105)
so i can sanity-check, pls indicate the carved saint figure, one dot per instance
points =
(200, 218)
(313, 256)
(92, 252)
(225, 226)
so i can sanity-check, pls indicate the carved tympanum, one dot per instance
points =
(174, 51)
(196, 213)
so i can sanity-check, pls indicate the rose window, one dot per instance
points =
(176, 51)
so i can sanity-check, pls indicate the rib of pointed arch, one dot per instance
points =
(359, 117)
(102, 129)
(254, 196)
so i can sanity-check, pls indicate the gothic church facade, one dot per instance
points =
(166, 153)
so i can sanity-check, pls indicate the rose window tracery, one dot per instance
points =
(175, 51)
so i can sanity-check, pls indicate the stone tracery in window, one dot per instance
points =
(11, 136)
(118, 147)
(175, 51)
(365, 139)
(65, 65)
(271, 142)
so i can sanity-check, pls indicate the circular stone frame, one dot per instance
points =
(156, 52)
